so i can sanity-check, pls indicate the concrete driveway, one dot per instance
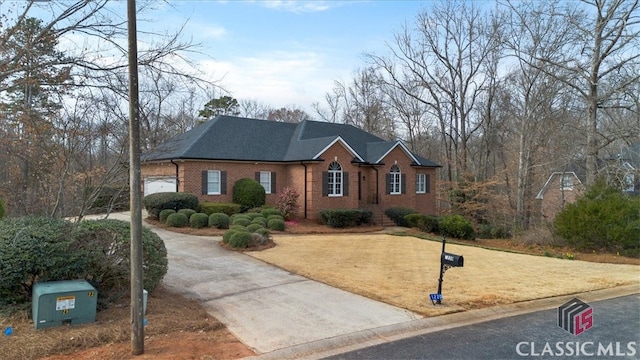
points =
(265, 307)
(285, 316)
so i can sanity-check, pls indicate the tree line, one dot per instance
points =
(500, 95)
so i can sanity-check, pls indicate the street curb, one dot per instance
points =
(371, 337)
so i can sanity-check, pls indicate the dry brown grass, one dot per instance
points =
(403, 270)
(177, 328)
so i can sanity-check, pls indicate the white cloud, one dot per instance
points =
(299, 6)
(276, 79)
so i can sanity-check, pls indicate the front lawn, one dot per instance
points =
(404, 270)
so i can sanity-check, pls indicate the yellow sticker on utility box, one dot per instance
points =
(65, 303)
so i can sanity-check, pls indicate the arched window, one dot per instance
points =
(395, 180)
(335, 179)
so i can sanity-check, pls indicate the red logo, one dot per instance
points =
(575, 316)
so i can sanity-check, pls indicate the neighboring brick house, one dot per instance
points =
(564, 187)
(330, 165)
(561, 188)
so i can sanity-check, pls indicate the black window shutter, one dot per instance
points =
(388, 181)
(345, 184)
(403, 183)
(257, 176)
(223, 182)
(273, 182)
(359, 185)
(325, 183)
(427, 183)
(205, 182)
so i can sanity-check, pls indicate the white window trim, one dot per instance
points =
(210, 183)
(266, 184)
(396, 181)
(335, 186)
(421, 179)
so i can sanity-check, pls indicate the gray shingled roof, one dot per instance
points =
(243, 139)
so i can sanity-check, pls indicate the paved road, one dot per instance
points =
(615, 331)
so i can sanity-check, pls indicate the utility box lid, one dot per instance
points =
(56, 303)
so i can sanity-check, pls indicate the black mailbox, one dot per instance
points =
(452, 259)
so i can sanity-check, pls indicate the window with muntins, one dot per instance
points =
(213, 182)
(395, 180)
(265, 181)
(421, 183)
(335, 179)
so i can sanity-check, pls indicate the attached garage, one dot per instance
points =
(154, 185)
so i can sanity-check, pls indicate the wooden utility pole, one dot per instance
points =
(137, 326)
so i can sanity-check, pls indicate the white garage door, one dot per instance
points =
(162, 184)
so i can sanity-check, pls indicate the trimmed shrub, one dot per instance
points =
(238, 228)
(187, 212)
(397, 214)
(252, 215)
(248, 193)
(426, 223)
(240, 215)
(271, 211)
(430, 223)
(274, 216)
(164, 214)
(264, 232)
(260, 220)
(253, 227)
(240, 220)
(44, 249)
(413, 220)
(457, 226)
(240, 239)
(225, 208)
(227, 235)
(602, 219)
(106, 246)
(342, 218)
(157, 202)
(199, 220)
(219, 220)
(35, 249)
(276, 224)
(287, 202)
(177, 220)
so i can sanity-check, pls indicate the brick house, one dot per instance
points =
(560, 189)
(622, 169)
(330, 165)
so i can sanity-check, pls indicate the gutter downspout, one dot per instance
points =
(177, 178)
(305, 188)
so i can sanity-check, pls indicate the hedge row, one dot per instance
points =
(35, 249)
(342, 218)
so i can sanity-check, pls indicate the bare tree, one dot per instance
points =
(599, 62)
(95, 73)
(445, 55)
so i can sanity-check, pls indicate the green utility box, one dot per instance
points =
(63, 302)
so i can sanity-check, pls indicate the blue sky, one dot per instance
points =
(283, 53)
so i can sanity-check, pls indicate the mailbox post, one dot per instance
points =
(447, 261)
